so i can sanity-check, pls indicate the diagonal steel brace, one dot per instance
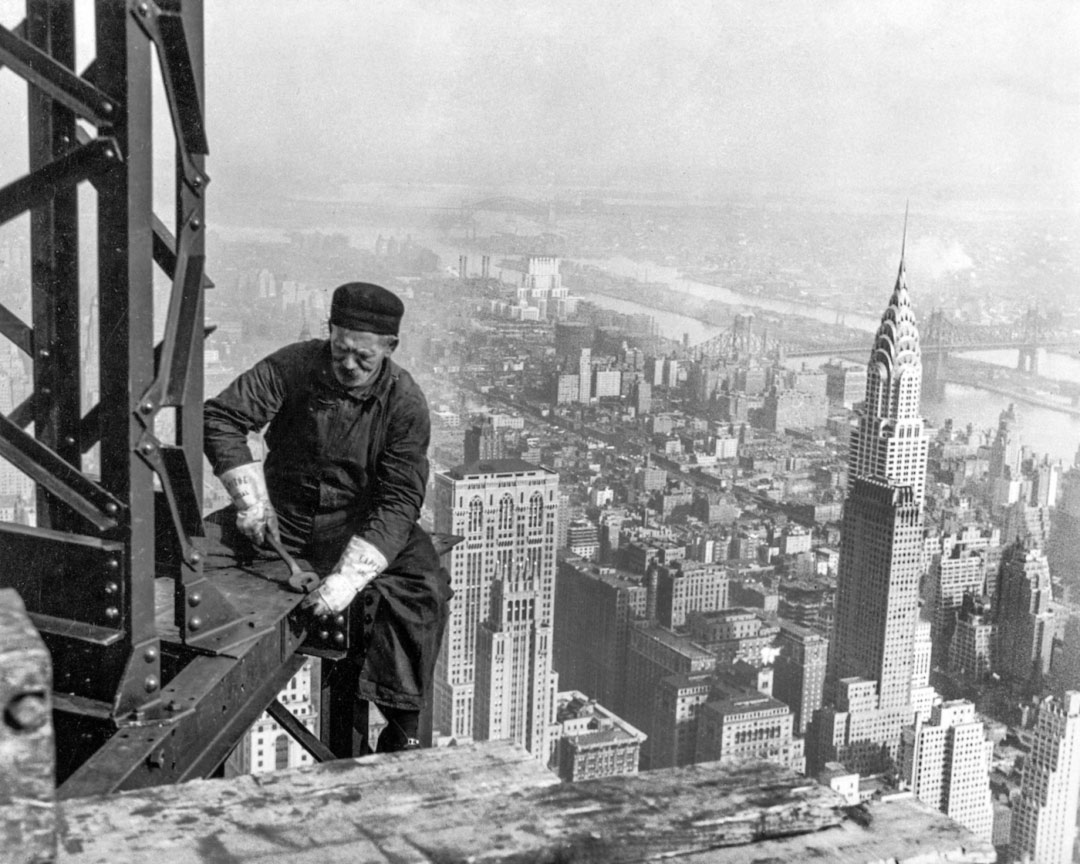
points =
(17, 330)
(92, 159)
(56, 80)
(66, 482)
(164, 25)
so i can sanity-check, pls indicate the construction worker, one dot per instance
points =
(347, 432)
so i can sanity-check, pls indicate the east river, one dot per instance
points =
(1043, 429)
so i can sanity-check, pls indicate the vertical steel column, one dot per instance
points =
(54, 243)
(191, 209)
(192, 201)
(125, 281)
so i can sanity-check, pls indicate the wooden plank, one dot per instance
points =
(492, 802)
(27, 749)
(898, 832)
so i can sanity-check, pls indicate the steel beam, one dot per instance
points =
(39, 187)
(17, 330)
(52, 76)
(299, 732)
(54, 243)
(125, 319)
(208, 702)
(62, 479)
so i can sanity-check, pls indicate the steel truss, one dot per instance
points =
(159, 668)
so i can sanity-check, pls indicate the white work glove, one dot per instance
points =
(359, 564)
(246, 485)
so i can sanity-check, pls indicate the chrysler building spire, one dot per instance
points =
(890, 442)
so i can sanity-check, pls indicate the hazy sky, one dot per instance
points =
(956, 98)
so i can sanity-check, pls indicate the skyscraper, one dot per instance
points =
(1044, 819)
(506, 510)
(1024, 614)
(946, 763)
(594, 610)
(871, 661)
(515, 687)
(800, 671)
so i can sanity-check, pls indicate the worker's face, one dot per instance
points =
(357, 356)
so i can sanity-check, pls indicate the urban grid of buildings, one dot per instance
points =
(674, 554)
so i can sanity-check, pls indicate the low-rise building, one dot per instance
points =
(592, 741)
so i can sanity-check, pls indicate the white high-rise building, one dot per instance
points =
(585, 375)
(945, 761)
(515, 686)
(1044, 818)
(507, 511)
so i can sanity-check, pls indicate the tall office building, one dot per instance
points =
(507, 511)
(872, 657)
(594, 611)
(945, 761)
(1024, 614)
(515, 687)
(585, 375)
(655, 653)
(799, 677)
(957, 569)
(1044, 818)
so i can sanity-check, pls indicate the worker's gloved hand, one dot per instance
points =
(359, 564)
(246, 485)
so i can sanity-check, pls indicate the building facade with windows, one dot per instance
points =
(507, 511)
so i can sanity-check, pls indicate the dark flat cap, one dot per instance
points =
(367, 307)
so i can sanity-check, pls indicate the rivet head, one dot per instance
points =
(26, 712)
(110, 508)
(151, 683)
(43, 353)
(144, 9)
(111, 563)
(150, 655)
(339, 620)
(112, 613)
(194, 623)
(69, 440)
(106, 108)
(195, 557)
(324, 635)
(339, 637)
(194, 599)
(195, 224)
(146, 407)
(111, 587)
(146, 447)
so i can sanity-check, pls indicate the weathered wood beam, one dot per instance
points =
(492, 802)
(27, 750)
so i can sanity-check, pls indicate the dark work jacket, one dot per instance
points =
(331, 450)
(341, 463)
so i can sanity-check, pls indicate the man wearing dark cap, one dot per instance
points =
(347, 432)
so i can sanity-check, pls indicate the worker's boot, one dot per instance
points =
(402, 729)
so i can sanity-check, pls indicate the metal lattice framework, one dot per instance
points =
(738, 342)
(151, 685)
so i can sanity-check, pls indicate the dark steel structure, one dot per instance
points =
(164, 650)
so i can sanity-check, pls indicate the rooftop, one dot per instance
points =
(496, 466)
